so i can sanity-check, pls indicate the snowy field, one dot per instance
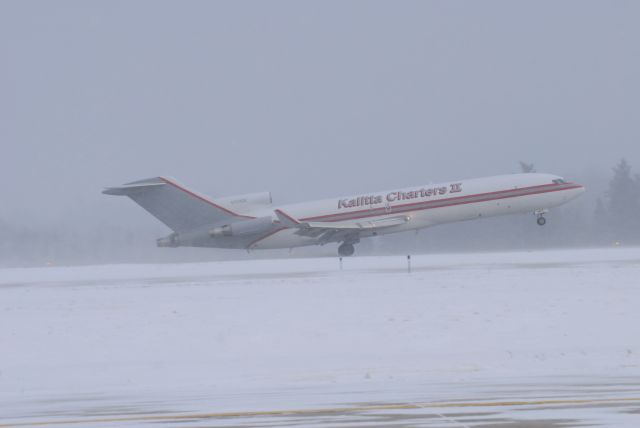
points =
(463, 340)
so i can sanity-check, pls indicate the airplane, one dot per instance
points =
(252, 222)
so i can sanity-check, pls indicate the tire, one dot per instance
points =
(346, 250)
(541, 221)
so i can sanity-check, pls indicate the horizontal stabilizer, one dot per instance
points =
(129, 189)
(286, 220)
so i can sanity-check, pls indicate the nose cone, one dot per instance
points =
(576, 190)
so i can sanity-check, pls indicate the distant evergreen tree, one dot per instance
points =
(624, 204)
(527, 167)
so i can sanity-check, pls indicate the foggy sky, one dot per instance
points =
(306, 99)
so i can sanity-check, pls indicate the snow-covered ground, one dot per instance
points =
(83, 343)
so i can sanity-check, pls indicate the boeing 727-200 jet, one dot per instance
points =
(252, 222)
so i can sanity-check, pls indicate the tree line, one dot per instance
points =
(617, 213)
(609, 218)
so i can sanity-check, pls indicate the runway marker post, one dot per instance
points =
(408, 263)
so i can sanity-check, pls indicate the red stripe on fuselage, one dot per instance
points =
(441, 203)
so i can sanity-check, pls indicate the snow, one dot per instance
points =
(301, 333)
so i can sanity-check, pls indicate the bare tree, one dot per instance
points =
(527, 167)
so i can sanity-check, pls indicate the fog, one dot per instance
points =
(307, 100)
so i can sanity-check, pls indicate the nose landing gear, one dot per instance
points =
(540, 214)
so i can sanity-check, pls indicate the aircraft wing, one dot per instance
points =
(336, 230)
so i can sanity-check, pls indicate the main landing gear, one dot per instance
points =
(346, 250)
(540, 214)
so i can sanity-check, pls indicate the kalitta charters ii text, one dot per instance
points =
(362, 201)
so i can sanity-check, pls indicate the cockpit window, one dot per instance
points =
(559, 181)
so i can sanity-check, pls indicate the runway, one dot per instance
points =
(486, 413)
(536, 339)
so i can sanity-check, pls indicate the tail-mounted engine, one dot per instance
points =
(243, 228)
(199, 237)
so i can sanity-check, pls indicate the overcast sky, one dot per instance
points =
(306, 99)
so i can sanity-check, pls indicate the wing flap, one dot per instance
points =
(357, 225)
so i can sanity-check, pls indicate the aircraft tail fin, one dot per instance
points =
(174, 205)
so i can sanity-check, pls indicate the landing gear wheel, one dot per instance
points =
(346, 250)
(541, 221)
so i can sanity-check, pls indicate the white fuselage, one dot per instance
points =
(425, 206)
